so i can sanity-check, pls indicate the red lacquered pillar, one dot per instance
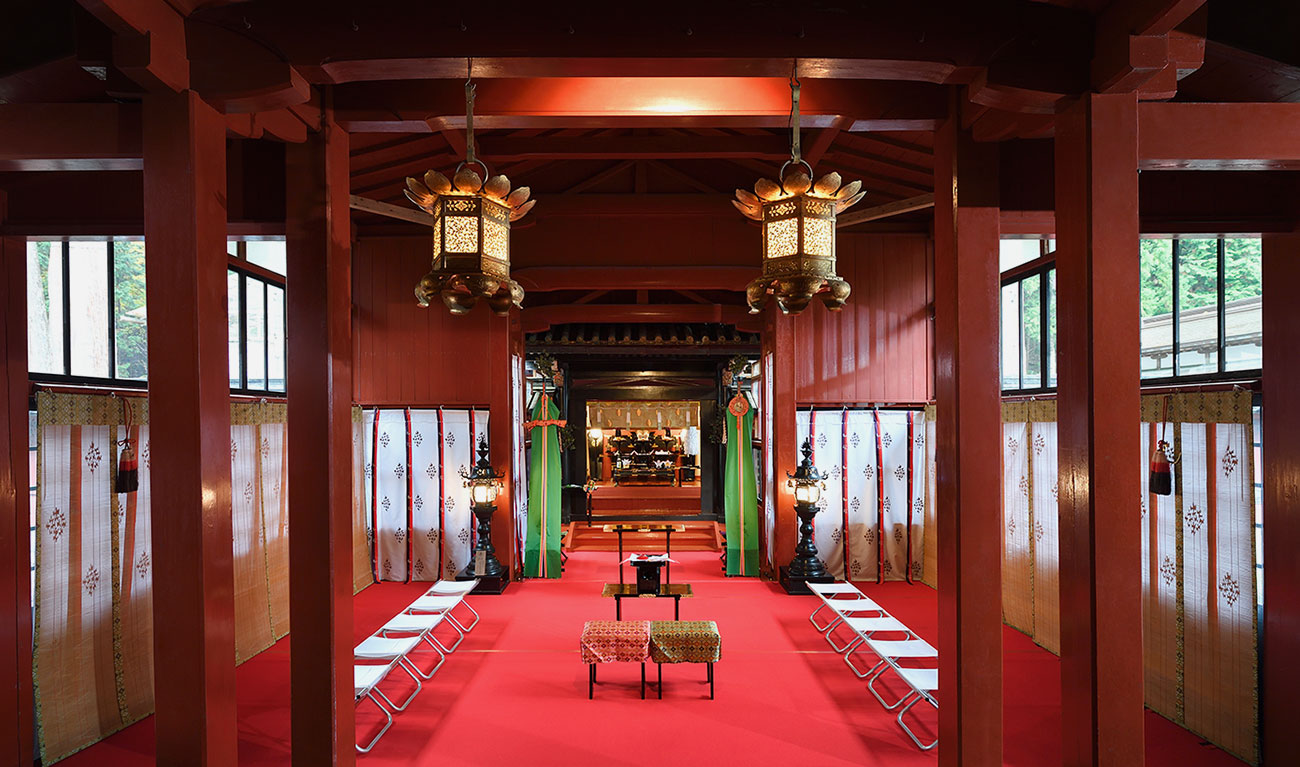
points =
(189, 430)
(319, 388)
(1099, 437)
(505, 336)
(968, 458)
(1280, 650)
(785, 437)
(15, 550)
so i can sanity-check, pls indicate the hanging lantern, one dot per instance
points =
(798, 221)
(471, 231)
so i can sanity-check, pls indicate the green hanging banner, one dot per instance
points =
(542, 545)
(741, 492)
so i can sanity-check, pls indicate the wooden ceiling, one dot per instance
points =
(645, 161)
(680, 101)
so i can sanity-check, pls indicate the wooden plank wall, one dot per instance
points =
(879, 347)
(408, 356)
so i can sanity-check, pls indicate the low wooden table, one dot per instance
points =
(619, 591)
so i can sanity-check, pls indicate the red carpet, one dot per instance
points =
(516, 693)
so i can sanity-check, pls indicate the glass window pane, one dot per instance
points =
(45, 307)
(1198, 306)
(1051, 244)
(88, 301)
(1243, 343)
(255, 295)
(232, 315)
(275, 336)
(1157, 267)
(1013, 253)
(1051, 328)
(1011, 336)
(1031, 336)
(268, 254)
(232, 248)
(129, 320)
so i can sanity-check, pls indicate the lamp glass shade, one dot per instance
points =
(484, 492)
(595, 435)
(807, 493)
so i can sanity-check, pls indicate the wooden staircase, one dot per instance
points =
(698, 536)
(645, 501)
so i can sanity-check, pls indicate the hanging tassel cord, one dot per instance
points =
(127, 414)
(1163, 444)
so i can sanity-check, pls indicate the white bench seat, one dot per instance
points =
(365, 679)
(828, 591)
(461, 589)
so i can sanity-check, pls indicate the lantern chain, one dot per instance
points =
(796, 154)
(469, 112)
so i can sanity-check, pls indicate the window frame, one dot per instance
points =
(234, 263)
(1047, 263)
(1222, 374)
(1033, 270)
(266, 278)
(65, 249)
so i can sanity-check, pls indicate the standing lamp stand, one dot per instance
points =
(484, 565)
(806, 567)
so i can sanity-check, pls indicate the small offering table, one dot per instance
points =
(620, 590)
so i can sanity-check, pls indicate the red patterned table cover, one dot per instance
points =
(685, 642)
(615, 641)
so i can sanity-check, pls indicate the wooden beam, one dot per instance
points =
(1280, 656)
(968, 457)
(392, 177)
(825, 137)
(633, 148)
(1188, 136)
(542, 317)
(613, 102)
(48, 137)
(592, 296)
(543, 278)
(919, 202)
(847, 147)
(319, 367)
(148, 43)
(890, 141)
(414, 215)
(1099, 451)
(684, 178)
(598, 178)
(189, 429)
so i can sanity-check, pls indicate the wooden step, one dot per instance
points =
(698, 536)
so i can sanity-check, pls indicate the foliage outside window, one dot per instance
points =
(86, 315)
(1201, 307)
(1029, 331)
(87, 321)
(1200, 304)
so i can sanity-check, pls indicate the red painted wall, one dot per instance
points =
(409, 356)
(878, 348)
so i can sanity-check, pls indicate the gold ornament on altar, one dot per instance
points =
(798, 223)
(471, 231)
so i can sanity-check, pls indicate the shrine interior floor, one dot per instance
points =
(515, 692)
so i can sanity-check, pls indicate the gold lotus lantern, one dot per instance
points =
(798, 222)
(471, 231)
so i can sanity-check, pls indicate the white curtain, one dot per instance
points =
(1197, 569)
(1017, 559)
(93, 659)
(420, 507)
(872, 523)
